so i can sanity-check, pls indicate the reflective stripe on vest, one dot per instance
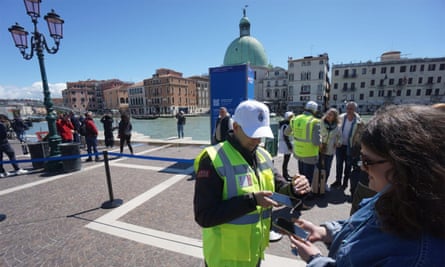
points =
(232, 189)
(252, 218)
(308, 132)
(268, 164)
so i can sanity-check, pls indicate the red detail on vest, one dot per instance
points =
(203, 174)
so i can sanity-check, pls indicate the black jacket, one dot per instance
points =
(3, 134)
(107, 122)
(180, 119)
(224, 128)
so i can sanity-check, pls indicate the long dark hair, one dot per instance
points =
(412, 139)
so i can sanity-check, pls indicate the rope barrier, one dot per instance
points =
(98, 154)
(152, 158)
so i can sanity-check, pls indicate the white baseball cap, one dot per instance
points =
(288, 114)
(312, 106)
(253, 117)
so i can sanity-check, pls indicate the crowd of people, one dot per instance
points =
(71, 129)
(394, 166)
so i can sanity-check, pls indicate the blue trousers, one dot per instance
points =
(180, 130)
(91, 145)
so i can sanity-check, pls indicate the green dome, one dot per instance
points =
(246, 49)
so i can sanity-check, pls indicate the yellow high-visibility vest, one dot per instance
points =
(242, 241)
(302, 128)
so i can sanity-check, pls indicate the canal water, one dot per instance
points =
(198, 128)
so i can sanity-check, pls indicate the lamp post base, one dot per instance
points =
(54, 165)
(111, 204)
(2, 217)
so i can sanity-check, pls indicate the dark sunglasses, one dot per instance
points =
(367, 162)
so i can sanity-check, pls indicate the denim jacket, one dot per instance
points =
(359, 241)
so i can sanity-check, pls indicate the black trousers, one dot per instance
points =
(7, 149)
(285, 164)
(126, 139)
(342, 157)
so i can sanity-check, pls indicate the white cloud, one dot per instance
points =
(35, 91)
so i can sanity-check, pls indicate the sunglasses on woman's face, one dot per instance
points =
(364, 162)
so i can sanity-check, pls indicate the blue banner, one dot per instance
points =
(229, 86)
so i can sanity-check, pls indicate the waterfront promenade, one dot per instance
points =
(57, 220)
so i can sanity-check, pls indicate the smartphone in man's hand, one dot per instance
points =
(282, 199)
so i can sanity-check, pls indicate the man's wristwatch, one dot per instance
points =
(312, 257)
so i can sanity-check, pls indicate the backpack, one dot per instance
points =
(83, 129)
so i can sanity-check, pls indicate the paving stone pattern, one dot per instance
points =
(45, 224)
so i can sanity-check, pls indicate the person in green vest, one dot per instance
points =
(305, 128)
(234, 182)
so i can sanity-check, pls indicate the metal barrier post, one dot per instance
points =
(112, 203)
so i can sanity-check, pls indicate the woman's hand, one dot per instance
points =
(305, 249)
(316, 233)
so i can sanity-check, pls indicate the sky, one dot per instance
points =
(129, 40)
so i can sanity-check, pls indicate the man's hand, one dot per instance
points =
(263, 199)
(301, 184)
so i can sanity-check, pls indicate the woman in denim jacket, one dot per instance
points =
(403, 153)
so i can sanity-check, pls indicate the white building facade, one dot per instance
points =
(309, 80)
(274, 89)
(137, 99)
(202, 93)
(392, 80)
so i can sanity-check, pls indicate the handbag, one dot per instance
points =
(25, 148)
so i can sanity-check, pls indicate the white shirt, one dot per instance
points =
(345, 131)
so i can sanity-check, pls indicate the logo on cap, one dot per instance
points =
(261, 116)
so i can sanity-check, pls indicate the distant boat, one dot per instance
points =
(36, 118)
(145, 117)
(273, 114)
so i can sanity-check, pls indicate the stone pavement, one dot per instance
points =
(57, 219)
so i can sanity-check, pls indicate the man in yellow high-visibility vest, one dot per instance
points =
(234, 182)
(305, 128)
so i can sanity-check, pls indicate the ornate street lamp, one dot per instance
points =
(38, 45)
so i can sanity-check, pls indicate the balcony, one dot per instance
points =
(352, 75)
